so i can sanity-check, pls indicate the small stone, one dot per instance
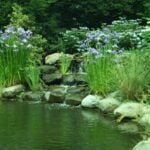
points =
(13, 91)
(91, 101)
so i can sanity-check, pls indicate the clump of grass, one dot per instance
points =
(134, 75)
(100, 74)
(65, 62)
(32, 77)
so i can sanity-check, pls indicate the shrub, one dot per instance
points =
(15, 51)
(19, 19)
(133, 75)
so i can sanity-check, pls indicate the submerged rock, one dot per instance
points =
(129, 127)
(108, 104)
(130, 110)
(91, 101)
(73, 99)
(13, 91)
(143, 145)
(75, 94)
(56, 97)
(32, 96)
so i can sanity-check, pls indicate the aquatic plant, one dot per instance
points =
(65, 62)
(32, 77)
(14, 53)
(133, 75)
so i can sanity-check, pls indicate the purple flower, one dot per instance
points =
(92, 51)
(10, 29)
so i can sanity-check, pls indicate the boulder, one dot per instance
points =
(91, 101)
(68, 79)
(73, 99)
(80, 78)
(54, 78)
(32, 96)
(108, 104)
(130, 110)
(143, 145)
(56, 97)
(13, 91)
(145, 119)
(47, 69)
(52, 58)
(129, 127)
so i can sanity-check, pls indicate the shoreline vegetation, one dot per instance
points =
(107, 68)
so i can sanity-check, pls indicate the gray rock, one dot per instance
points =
(91, 101)
(116, 94)
(145, 119)
(56, 97)
(78, 90)
(68, 79)
(73, 99)
(130, 110)
(108, 104)
(54, 78)
(143, 145)
(32, 96)
(13, 91)
(52, 59)
(80, 78)
(47, 69)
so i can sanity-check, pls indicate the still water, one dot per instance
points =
(43, 127)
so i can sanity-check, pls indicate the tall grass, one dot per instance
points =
(32, 77)
(134, 75)
(65, 62)
(100, 74)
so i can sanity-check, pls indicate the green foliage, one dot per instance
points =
(65, 62)
(133, 75)
(32, 77)
(53, 16)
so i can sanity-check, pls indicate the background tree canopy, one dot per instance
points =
(53, 16)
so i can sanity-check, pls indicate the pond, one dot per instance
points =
(49, 127)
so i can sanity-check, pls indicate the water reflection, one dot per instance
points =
(43, 127)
